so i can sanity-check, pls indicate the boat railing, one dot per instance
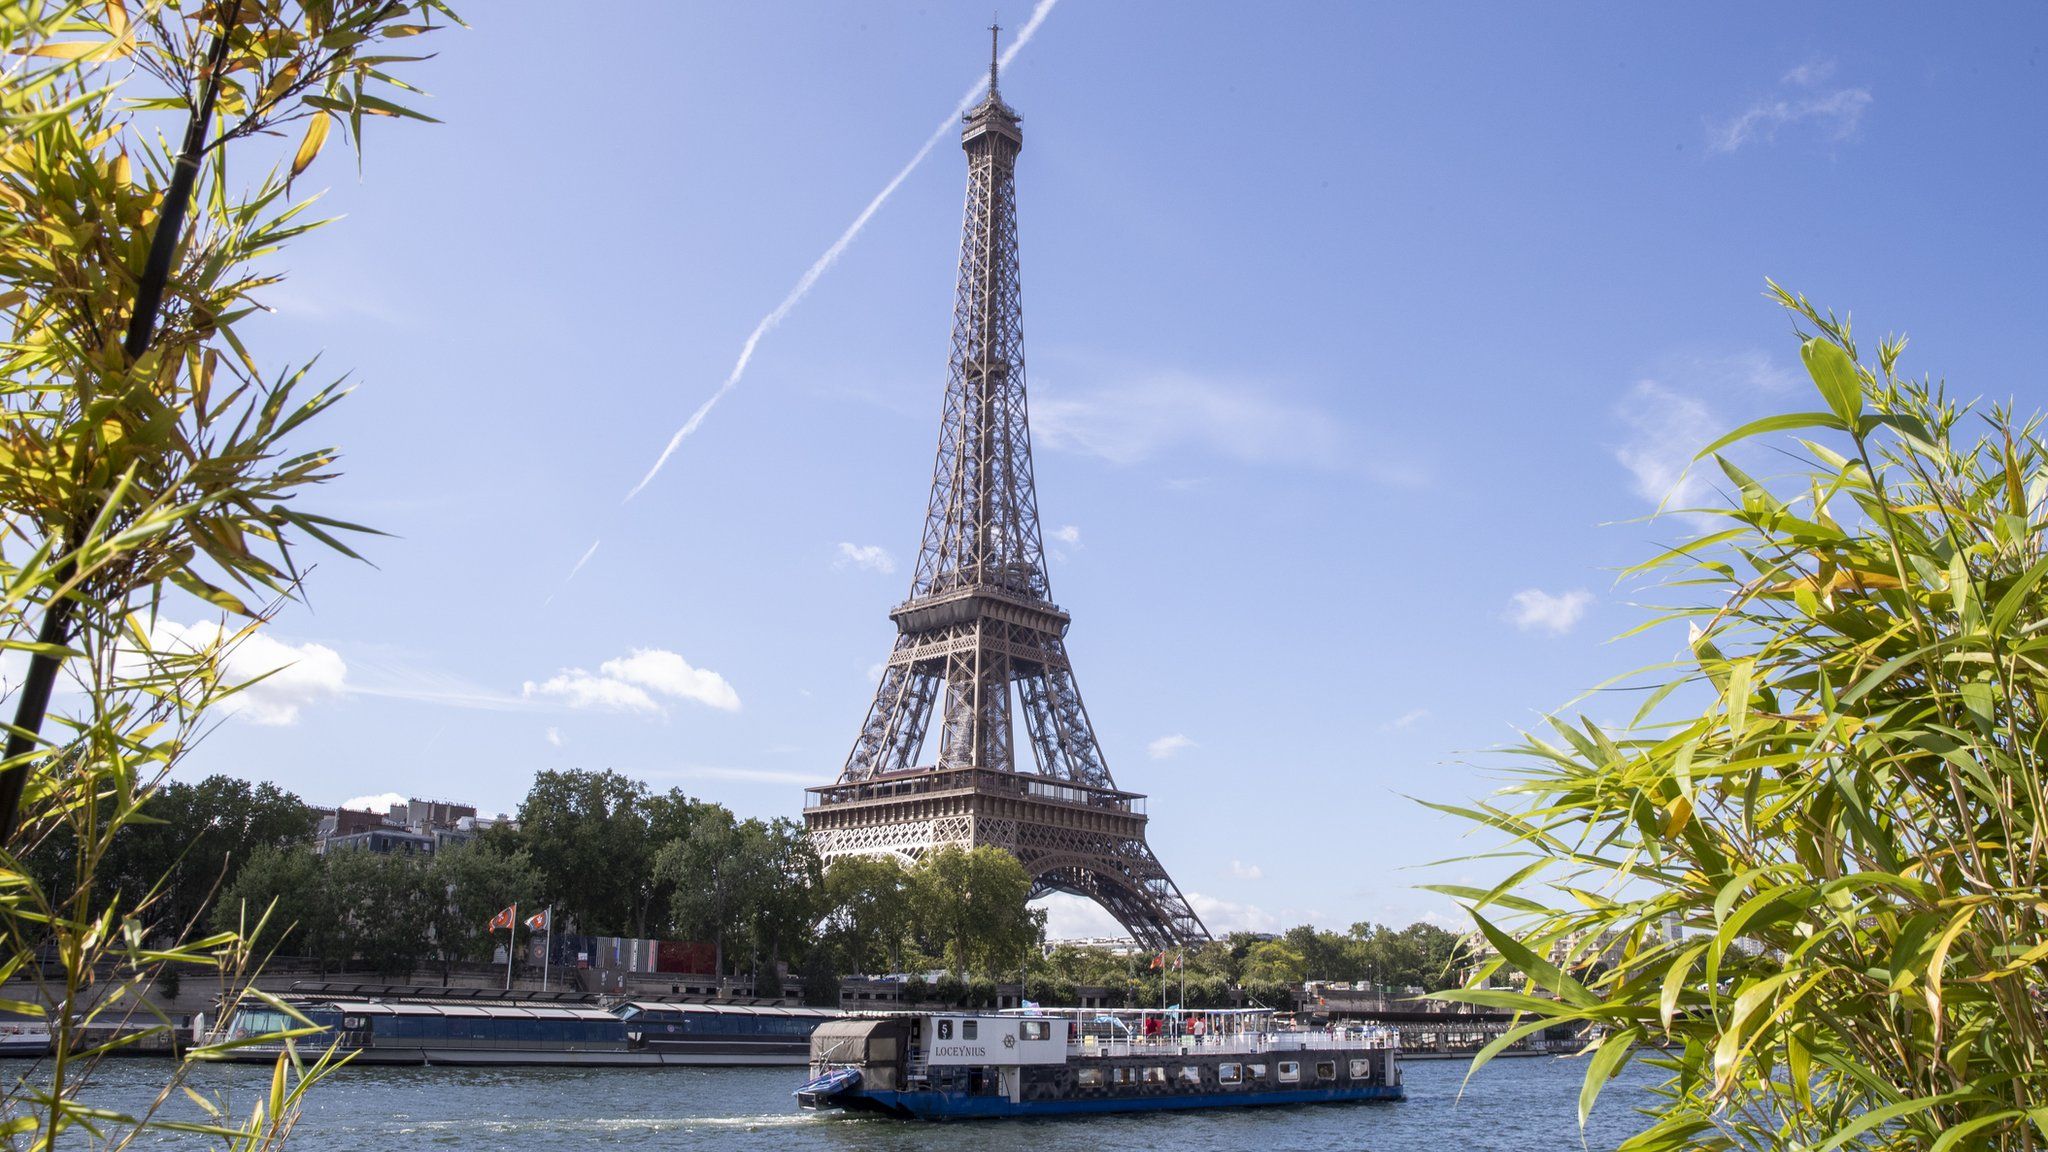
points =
(1246, 1043)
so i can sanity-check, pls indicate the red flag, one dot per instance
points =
(1158, 961)
(502, 919)
(538, 922)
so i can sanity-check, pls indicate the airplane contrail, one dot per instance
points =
(587, 554)
(832, 254)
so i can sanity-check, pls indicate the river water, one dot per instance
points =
(1524, 1105)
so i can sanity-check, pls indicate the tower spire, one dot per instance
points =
(994, 33)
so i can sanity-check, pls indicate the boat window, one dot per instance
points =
(1290, 1072)
(1089, 1078)
(945, 1029)
(1123, 1075)
(1255, 1071)
(1326, 1070)
(1230, 1073)
(630, 1011)
(968, 1029)
(1035, 1030)
(1361, 1069)
(1191, 1074)
(1155, 1075)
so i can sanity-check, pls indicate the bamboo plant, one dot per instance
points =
(148, 463)
(1837, 793)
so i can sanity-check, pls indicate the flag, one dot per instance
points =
(538, 922)
(502, 919)
(1158, 961)
(1179, 958)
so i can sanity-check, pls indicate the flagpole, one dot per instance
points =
(547, 949)
(511, 937)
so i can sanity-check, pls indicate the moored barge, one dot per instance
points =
(1037, 1062)
(639, 1034)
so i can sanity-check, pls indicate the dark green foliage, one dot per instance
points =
(188, 841)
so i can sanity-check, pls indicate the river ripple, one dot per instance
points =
(1524, 1105)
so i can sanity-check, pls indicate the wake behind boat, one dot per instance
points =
(1044, 1062)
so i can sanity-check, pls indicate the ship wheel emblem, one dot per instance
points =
(1009, 1041)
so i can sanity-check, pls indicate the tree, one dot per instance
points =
(791, 900)
(869, 898)
(206, 832)
(1838, 795)
(719, 874)
(474, 882)
(148, 462)
(287, 888)
(385, 905)
(586, 836)
(970, 906)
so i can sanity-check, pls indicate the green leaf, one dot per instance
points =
(1769, 424)
(1612, 1054)
(1836, 377)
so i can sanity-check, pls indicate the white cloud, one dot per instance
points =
(1067, 534)
(1167, 747)
(1534, 610)
(1070, 917)
(1836, 113)
(379, 803)
(632, 683)
(1243, 871)
(555, 736)
(293, 675)
(1666, 430)
(1221, 916)
(868, 557)
(874, 673)
(1668, 423)
(1810, 73)
(1135, 421)
(1406, 720)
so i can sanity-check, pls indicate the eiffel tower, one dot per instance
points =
(980, 622)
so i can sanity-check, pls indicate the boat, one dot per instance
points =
(410, 1032)
(24, 1036)
(1046, 1062)
(706, 1033)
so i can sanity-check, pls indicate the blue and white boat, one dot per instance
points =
(1045, 1062)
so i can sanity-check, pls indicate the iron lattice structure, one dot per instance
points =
(980, 630)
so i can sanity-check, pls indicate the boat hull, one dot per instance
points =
(961, 1106)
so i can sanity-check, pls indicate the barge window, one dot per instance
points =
(1088, 1077)
(1326, 1070)
(1155, 1075)
(1361, 1069)
(1124, 1075)
(968, 1028)
(1035, 1030)
(1230, 1073)
(1191, 1074)
(1290, 1072)
(1255, 1072)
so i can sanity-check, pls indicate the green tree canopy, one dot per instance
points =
(868, 898)
(969, 907)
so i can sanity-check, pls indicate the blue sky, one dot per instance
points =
(1360, 339)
